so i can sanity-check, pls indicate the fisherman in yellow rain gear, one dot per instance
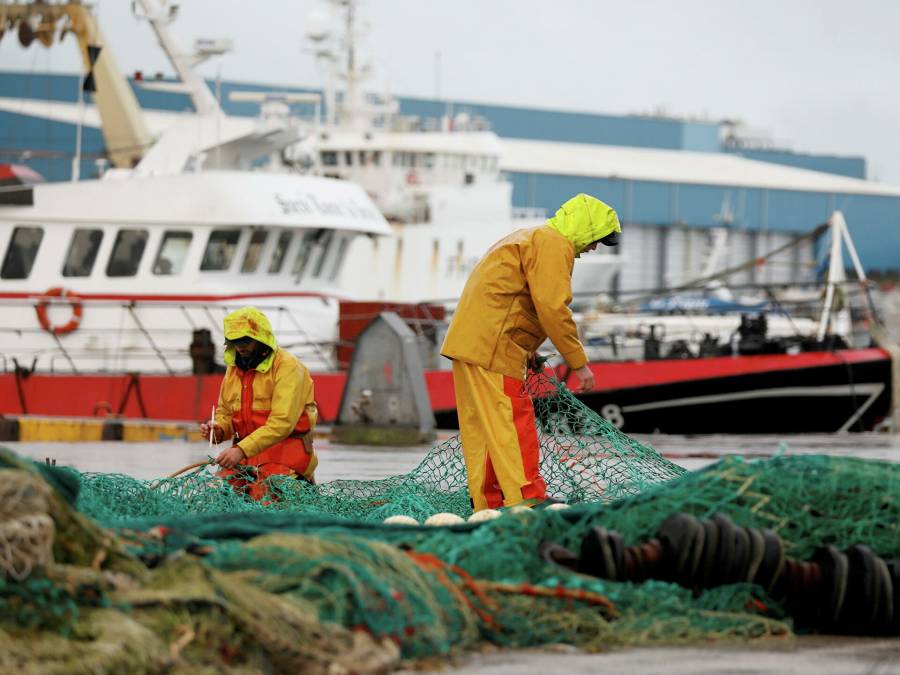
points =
(266, 405)
(518, 295)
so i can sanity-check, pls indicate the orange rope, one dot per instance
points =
(189, 467)
(431, 563)
(558, 592)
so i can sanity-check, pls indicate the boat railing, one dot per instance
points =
(140, 330)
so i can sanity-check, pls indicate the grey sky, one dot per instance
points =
(818, 75)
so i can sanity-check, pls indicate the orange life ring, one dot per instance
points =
(74, 302)
(412, 178)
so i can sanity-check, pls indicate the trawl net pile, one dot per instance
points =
(107, 573)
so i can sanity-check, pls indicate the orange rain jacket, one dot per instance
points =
(519, 292)
(271, 407)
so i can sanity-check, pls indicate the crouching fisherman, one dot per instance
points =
(265, 406)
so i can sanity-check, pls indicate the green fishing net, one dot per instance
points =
(186, 574)
(584, 458)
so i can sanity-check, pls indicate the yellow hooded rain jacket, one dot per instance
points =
(270, 407)
(519, 292)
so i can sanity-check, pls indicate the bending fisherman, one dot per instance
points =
(518, 295)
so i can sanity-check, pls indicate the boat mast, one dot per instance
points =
(159, 14)
(351, 107)
(339, 57)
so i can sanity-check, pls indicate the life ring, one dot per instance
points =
(412, 178)
(74, 302)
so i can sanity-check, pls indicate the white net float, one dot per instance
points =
(400, 520)
(444, 519)
(484, 515)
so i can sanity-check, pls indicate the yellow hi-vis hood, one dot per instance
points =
(583, 220)
(250, 322)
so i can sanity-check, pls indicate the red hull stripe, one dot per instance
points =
(630, 374)
(189, 397)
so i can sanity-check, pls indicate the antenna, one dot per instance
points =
(159, 13)
(318, 32)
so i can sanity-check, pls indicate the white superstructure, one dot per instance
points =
(148, 260)
(114, 274)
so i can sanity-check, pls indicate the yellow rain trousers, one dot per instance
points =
(499, 438)
(517, 296)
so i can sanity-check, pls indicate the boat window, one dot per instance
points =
(324, 244)
(127, 252)
(429, 160)
(362, 158)
(343, 243)
(281, 247)
(329, 158)
(23, 248)
(82, 253)
(220, 250)
(376, 158)
(307, 246)
(348, 158)
(254, 250)
(395, 158)
(173, 251)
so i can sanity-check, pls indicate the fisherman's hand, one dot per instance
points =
(230, 458)
(585, 378)
(218, 433)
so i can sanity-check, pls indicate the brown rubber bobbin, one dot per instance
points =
(863, 591)
(757, 551)
(678, 535)
(741, 559)
(599, 557)
(725, 554)
(771, 569)
(710, 551)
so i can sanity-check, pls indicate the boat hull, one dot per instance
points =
(815, 392)
(818, 399)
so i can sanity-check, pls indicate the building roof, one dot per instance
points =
(674, 166)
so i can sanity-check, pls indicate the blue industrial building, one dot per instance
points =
(756, 199)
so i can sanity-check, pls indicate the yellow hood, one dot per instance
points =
(249, 322)
(583, 220)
